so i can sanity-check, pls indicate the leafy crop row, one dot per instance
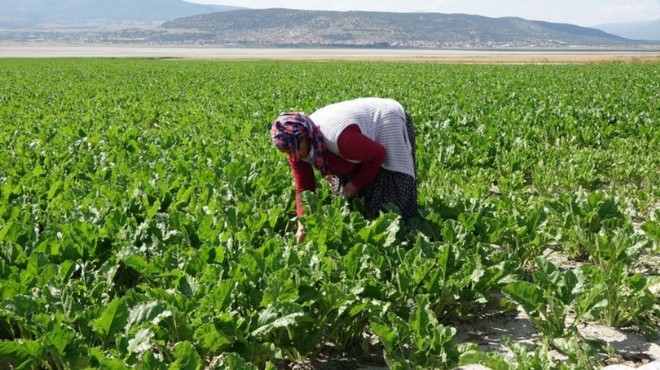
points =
(146, 220)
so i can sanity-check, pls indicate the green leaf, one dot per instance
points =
(391, 234)
(113, 319)
(149, 361)
(141, 265)
(188, 286)
(53, 189)
(106, 361)
(381, 231)
(152, 312)
(207, 228)
(186, 356)
(493, 361)
(591, 296)
(26, 354)
(387, 335)
(637, 283)
(60, 337)
(652, 230)
(211, 339)
(221, 294)
(269, 320)
(528, 295)
(279, 291)
(233, 361)
(421, 321)
(5, 230)
(141, 342)
(566, 287)
(153, 209)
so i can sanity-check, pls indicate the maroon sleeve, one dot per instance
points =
(303, 176)
(355, 146)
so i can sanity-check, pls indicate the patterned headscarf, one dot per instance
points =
(288, 131)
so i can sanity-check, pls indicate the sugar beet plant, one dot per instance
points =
(146, 221)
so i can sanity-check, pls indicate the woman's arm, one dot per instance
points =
(303, 177)
(353, 145)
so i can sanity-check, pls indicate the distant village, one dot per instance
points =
(153, 37)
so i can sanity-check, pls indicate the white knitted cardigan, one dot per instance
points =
(381, 120)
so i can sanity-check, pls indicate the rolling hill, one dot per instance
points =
(359, 28)
(180, 22)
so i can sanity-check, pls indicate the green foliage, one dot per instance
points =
(146, 221)
(419, 342)
(550, 297)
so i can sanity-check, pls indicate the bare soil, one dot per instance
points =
(631, 347)
(481, 56)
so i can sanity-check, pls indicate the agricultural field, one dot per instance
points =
(146, 221)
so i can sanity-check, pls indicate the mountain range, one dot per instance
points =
(334, 28)
(180, 22)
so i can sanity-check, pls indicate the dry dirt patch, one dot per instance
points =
(480, 56)
(492, 331)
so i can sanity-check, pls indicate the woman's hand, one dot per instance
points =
(350, 190)
(300, 233)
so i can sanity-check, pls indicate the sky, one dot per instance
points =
(579, 12)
